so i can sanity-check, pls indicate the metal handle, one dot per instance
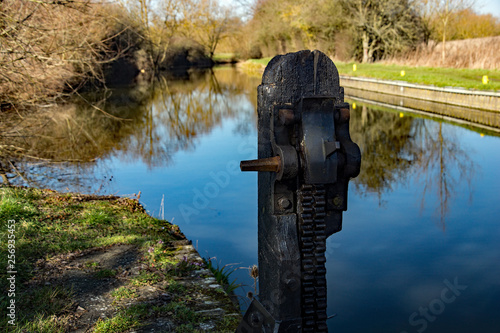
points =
(272, 164)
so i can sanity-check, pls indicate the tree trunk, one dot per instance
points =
(283, 45)
(365, 47)
(445, 25)
(443, 51)
(371, 50)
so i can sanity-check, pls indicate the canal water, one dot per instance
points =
(420, 245)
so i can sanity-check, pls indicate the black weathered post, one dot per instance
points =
(306, 158)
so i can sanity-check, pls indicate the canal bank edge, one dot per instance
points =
(114, 267)
(482, 107)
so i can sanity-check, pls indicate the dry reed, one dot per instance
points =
(479, 53)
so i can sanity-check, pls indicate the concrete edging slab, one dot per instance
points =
(484, 100)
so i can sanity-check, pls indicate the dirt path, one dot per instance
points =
(97, 275)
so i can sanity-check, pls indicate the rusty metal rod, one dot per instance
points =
(272, 164)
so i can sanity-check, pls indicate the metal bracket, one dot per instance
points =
(258, 320)
(318, 145)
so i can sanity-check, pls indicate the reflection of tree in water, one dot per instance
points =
(442, 165)
(387, 148)
(180, 112)
(62, 144)
(395, 147)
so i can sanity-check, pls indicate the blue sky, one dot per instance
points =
(482, 6)
(489, 7)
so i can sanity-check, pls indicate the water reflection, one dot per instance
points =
(395, 147)
(444, 165)
(151, 123)
(147, 123)
(388, 151)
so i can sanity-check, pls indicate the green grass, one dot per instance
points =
(224, 57)
(121, 322)
(175, 287)
(436, 76)
(262, 61)
(42, 309)
(49, 224)
(124, 293)
(91, 264)
(105, 273)
(44, 324)
(439, 77)
(145, 278)
(183, 313)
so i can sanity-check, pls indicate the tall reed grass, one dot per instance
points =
(477, 53)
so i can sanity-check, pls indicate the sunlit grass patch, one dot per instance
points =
(254, 67)
(436, 76)
(262, 61)
(119, 323)
(17, 205)
(124, 320)
(45, 324)
(98, 217)
(124, 292)
(120, 239)
(44, 309)
(224, 57)
(145, 278)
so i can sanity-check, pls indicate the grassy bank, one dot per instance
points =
(70, 246)
(254, 67)
(437, 76)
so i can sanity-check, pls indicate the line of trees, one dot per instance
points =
(367, 30)
(49, 46)
(49, 49)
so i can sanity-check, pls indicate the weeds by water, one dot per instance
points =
(222, 274)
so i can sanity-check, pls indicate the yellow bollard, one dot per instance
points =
(354, 68)
(403, 73)
(485, 79)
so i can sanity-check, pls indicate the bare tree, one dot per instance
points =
(157, 22)
(49, 46)
(442, 11)
(205, 21)
(383, 26)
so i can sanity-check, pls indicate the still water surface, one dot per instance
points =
(420, 246)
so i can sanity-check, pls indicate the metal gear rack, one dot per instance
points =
(306, 158)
